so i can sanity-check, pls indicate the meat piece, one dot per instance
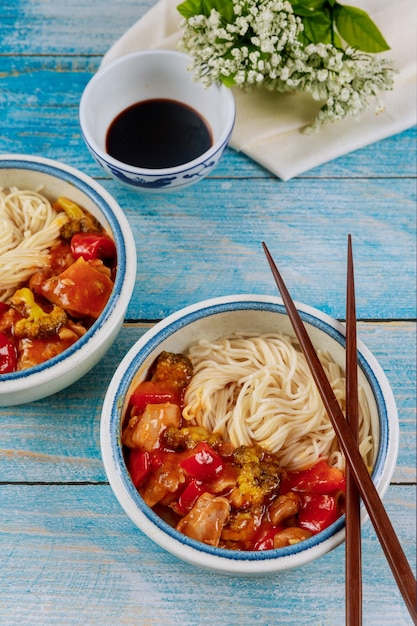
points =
(83, 289)
(242, 525)
(143, 431)
(284, 507)
(8, 319)
(35, 351)
(206, 519)
(187, 438)
(290, 536)
(225, 481)
(166, 480)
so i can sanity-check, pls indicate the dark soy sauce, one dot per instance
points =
(158, 133)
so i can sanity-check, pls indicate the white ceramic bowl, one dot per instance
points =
(55, 179)
(212, 319)
(154, 74)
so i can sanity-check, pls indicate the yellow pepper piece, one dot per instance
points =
(71, 208)
(33, 310)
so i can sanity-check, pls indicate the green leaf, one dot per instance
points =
(304, 11)
(318, 28)
(190, 8)
(358, 30)
(337, 42)
(228, 81)
(305, 7)
(224, 7)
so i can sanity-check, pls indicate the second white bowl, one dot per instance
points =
(212, 319)
(54, 179)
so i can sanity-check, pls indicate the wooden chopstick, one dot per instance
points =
(353, 564)
(376, 511)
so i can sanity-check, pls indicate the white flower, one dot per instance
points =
(285, 73)
(261, 46)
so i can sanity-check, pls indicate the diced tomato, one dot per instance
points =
(8, 355)
(320, 478)
(317, 512)
(4, 308)
(91, 246)
(191, 493)
(203, 464)
(148, 392)
(139, 465)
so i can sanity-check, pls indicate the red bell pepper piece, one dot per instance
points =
(93, 246)
(4, 308)
(319, 478)
(157, 458)
(203, 464)
(191, 493)
(8, 355)
(139, 466)
(317, 512)
(266, 540)
(148, 392)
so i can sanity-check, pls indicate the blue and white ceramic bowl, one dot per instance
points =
(55, 179)
(212, 319)
(148, 75)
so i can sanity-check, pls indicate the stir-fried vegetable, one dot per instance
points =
(61, 300)
(234, 498)
(36, 323)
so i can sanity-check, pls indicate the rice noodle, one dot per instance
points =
(258, 389)
(29, 226)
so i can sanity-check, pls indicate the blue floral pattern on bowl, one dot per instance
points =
(158, 182)
(147, 75)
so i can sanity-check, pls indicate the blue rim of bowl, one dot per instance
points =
(82, 183)
(140, 357)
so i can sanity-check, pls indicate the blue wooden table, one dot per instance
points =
(68, 553)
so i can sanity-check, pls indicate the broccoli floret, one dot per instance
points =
(37, 324)
(259, 476)
(187, 438)
(171, 368)
(78, 220)
(69, 229)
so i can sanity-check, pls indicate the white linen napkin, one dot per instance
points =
(268, 124)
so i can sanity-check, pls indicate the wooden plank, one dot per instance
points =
(70, 555)
(206, 241)
(44, 27)
(216, 225)
(39, 113)
(390, 344)
(199, 232)
(58, 439)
